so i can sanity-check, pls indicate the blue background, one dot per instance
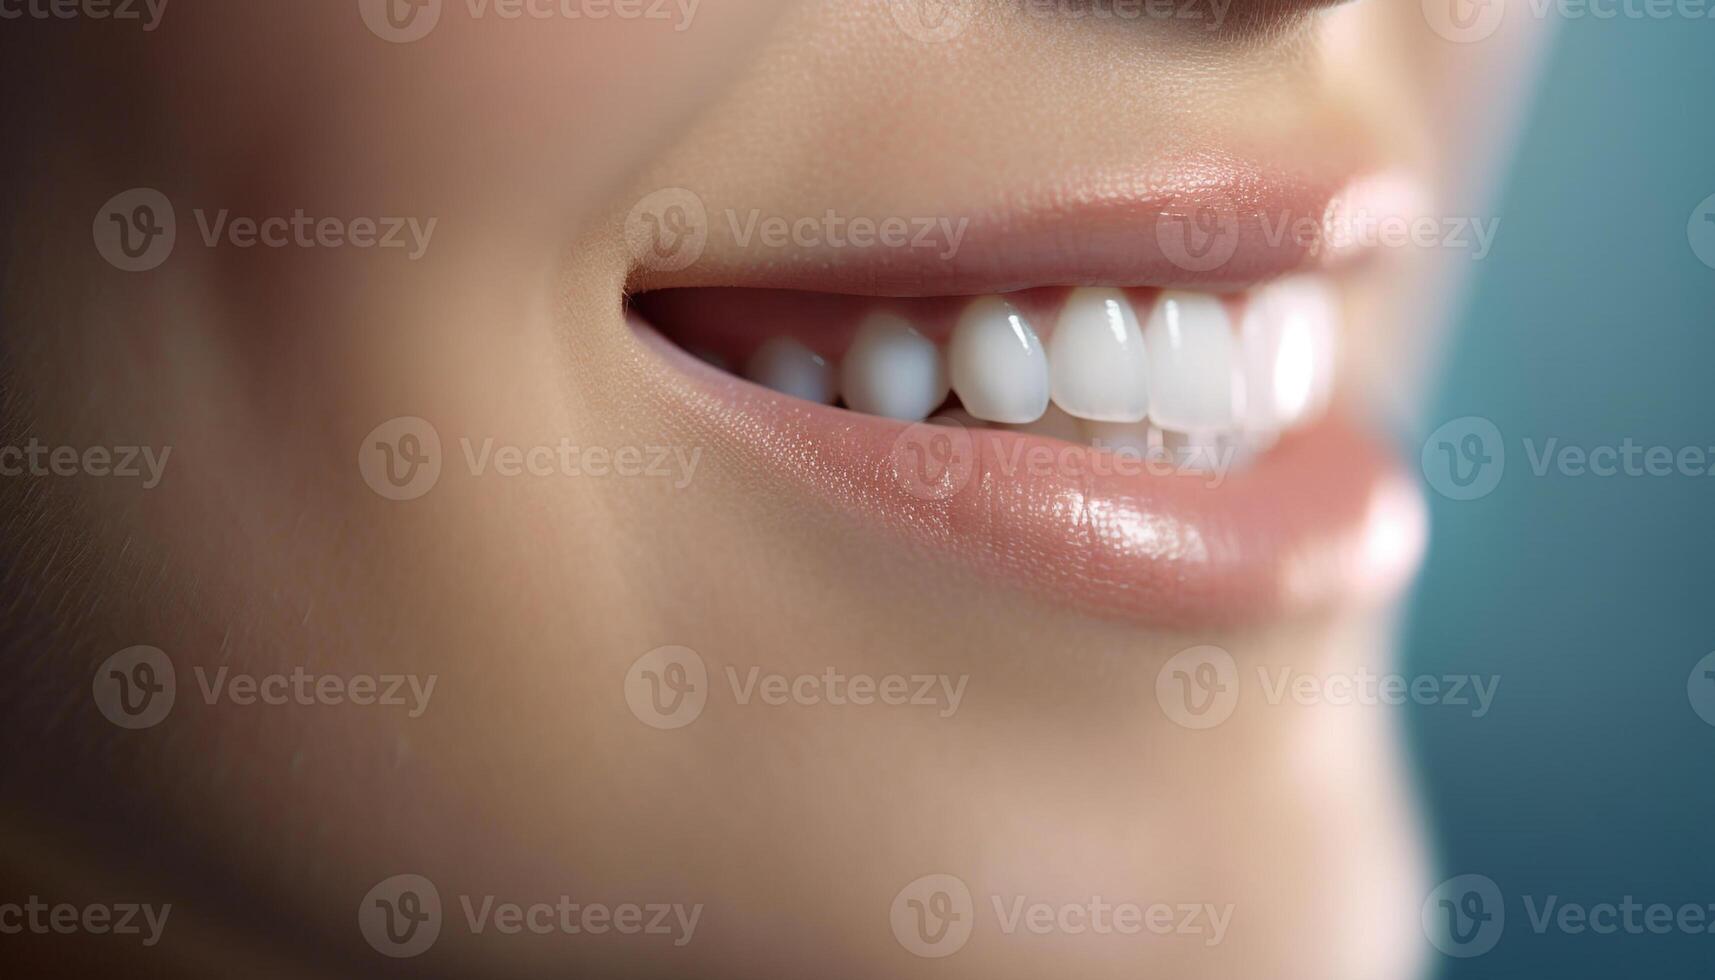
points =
(1593, 320)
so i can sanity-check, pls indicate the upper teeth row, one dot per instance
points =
(1185, 369)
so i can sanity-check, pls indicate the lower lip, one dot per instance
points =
(1323, 520)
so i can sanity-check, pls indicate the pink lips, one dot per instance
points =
(1322, 518)
(1206, 221)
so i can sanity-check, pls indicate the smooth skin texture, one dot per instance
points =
(529, 598)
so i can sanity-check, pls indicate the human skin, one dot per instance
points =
(528, 776)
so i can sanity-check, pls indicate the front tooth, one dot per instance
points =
(997, 365)
(1191, 363)
(1096, 358)
(790, 368)
(1287, 334)
(892, 370)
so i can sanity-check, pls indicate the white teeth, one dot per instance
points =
(1097, 360)
(1192, 363)
(790, 368)
(997, 365)
(1185, 388)
(892, 370)
(1287, 334)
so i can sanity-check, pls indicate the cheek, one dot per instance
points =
(522, 112)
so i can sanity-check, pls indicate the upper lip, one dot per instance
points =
(1208, 221)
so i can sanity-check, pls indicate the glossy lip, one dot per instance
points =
(1247, 224)
(1322, 518)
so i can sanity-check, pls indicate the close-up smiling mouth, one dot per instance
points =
(1104, 403)
(907, 489)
